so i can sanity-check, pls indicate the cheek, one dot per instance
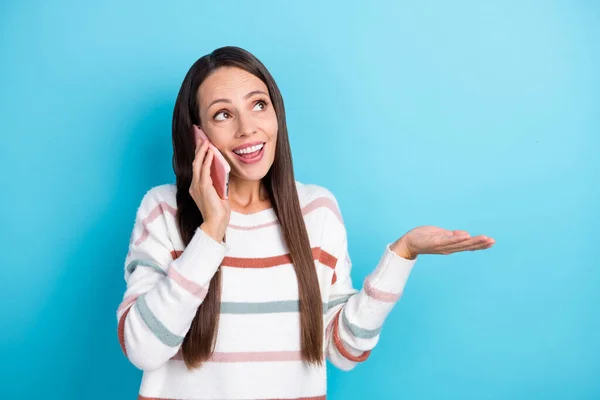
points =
(221, 146)
(273, 128)
(222, 139)
(273, 140)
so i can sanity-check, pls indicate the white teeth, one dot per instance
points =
(248, 150)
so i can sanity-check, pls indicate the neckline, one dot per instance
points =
(256, 218)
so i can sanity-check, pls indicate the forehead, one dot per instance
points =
(228, 83)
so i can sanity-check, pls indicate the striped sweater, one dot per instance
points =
(257, 353)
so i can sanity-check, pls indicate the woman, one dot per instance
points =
(245, 297)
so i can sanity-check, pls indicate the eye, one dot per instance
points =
(261, 102)
(225, 113)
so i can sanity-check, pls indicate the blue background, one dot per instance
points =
(472, 115)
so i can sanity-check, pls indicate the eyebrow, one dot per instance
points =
(252, 93)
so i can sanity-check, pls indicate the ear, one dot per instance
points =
(199, 133)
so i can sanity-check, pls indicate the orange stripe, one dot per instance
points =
(268, 262)
(380, 295)
(324, 257)
(254, 227)
(163, 206)
(175, 254)
(155, 213)
(340, 346)
(192, 287)
(321, 202)
(127, 301)
(121, 331)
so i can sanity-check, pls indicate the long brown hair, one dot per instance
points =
(280, 183)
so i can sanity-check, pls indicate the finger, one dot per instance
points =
(200, 145)
(447, 241)
(198, 161)
(205, 179)
(475, 243)
(482, 246)
(203, 145)
(466, 242)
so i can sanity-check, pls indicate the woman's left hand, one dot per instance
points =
(434, 240)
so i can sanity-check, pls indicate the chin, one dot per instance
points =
(251, 175)
(253, 172)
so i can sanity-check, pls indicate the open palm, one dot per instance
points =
(434, 240)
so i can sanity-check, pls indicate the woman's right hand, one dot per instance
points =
(215, 211)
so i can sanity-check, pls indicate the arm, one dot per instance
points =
(354, 319)
(163, 293)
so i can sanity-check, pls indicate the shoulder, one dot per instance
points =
(162, 196)
(314, 197)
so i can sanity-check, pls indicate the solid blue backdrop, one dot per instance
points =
(472, 115)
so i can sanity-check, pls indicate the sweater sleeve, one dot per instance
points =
(354, 318)
(163, 291)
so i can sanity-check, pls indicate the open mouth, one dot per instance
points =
(251, 155)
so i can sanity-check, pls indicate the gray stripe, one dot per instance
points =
(341, 300)
(359, 332)
(144, 263)
(270, 307)
(260, 308)
(161, 332)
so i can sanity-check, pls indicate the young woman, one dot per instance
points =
(245, 298)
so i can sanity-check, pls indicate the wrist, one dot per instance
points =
(401, 249)
(212, 232)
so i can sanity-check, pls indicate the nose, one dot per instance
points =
(246, 126)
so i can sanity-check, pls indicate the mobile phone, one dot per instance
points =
(219, 169)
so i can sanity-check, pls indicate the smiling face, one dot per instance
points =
(238, 117)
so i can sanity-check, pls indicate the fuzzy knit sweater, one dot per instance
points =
(257, 353)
